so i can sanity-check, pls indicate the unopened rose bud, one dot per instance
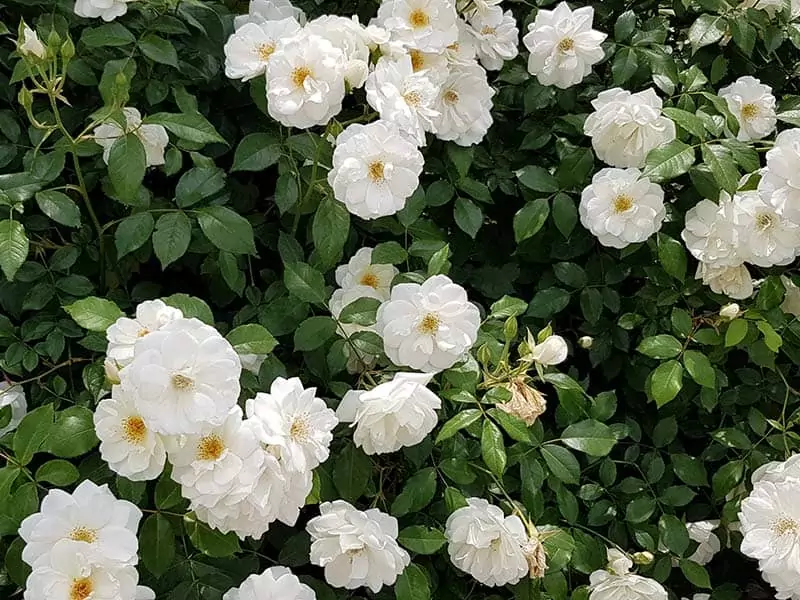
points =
(537, 559)
(510, 328)
(527, 403)
(67, 49)
(643, 558)
(585, 342)
(730, 311)
(551, 351)
(112, 371)
(30, 44)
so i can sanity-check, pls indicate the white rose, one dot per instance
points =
(791, 300)
(710, 233)
(730, 311)
(563, 45)
(427, 25)
(352, 38)
(12, 396)
(625, 126)
(551, 351)
(734, 282)
(276, 583)
(393, 415)
(361, 272)
(622, 207)
(428, 327)
(765, 237)
(485, 543)
(356, 548)
(108, 10)
(261, 11)
(248, 50)
(496, 37)
(154, 138)
(96, 525)
(375, 169)
(753, 105)
(627, 586)
(30, 44)
(702, 532)
(464, 104)
(252, 362)
(151, 315)
(780, 179)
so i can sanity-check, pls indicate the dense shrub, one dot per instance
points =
(611, 404)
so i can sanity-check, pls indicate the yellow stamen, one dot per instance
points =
(134, 430)
(299, 76)
(450, 97)
(300, 429)
(749, 111)
(488, 30)
(375, 171)
(210, 447)
(417, 59)
(370, 279)
(622, 203)
(412, 98)
(182, 382)
(429, 324)
(566, 44)
(764, 221)
(266, 50)
(83, 534)
(785, 525)
(81, 589)
(419, 18)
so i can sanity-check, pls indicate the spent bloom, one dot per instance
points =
(294, 421)
(154, 138)
(151, 315)
(428, 326)
(183, 377)
(356, 548)
(392, 415)
(496, 37)
(563, 46)
(526, 403)
(108, 10)
(375, 169)
(126, 443)
(626, 126)
(276, 583)
(753, 105)
(622, 207)
(734, 282)
(248, 50)
(305, 81)
(488, 545)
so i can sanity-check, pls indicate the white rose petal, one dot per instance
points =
(753, 105)
(702, 532)
(31, 44)
(464, 104)
(734, 282)
(276, 583)
(248, 50)
(496, 37)
(261, 11)
(552, 351)
(427, 25)
(780, 179)
(108, 10)
(154, 138)
(791, 300)
(151, 315)
(13, 396)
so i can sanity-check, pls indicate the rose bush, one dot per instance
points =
(413, 299)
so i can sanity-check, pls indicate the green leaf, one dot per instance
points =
(73, 433)
(493, 448)
(538, 179)
(59, 207)
(668, 161)
(32, 432)
(625, 26)
(548, 302)
(771, 337)
(461, 420)
(591, 437)
(706, 30)
(439, 193)
(689, 121)
(313, 333)
(191, 307)
(625, 65)
(736, 332)
(305, 283)
(13, 247)
(94, 314)
(666, 382)
(468, 216)
(330, 229)
(127, 163)
(570, 274)
(516, 429)
(417, 493)
(133, 232)
(673, 534)
(660, 346)
(695, 573)
(352, 470)
(722, 166)
(158, 49)
(388, 253)
(561, 463)
(672, 256)
(295, 551)
(58, 472)
(421, 539)
(199, 183)
(565, 215)
(726, 478)
(171, 237)
(640, 509)
(210, 541)
(168, 493)
(591, 304)
(256, 152)
(360, 312)
(227, 230)
(157, 544)
(691, 470)
(251, 339)
(412, 583)
(192, 127)
(699, 367)
(109, 35)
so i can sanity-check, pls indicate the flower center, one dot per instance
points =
(375, 171)
(353, 552)
(142, 332)
(417, 60)
(419, 18)
(266, 50)
(83, 534)
(764, 221)
(300, 430)
(495, 544)
(454, 47)
(412, 98)
(622, 203)
(370, 279)
(429, 324)
(134, 430)
(785, 525)
(81, 589)
(488, 30)
(450, 97)
(749, 111)
(566, 44)
(210, 447)
(299, 76)
(182, 382)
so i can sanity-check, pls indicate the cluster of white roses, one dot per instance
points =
(770, 523)
(83, 545)
(176, 392)
(757, 226)
(430, 77)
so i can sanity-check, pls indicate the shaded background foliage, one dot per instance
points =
(240, 218)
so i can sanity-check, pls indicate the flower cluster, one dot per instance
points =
(83, 545)
(176, 398)
(770, 523)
